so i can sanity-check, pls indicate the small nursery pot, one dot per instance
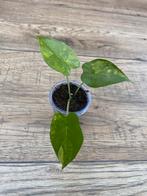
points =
(79, 104)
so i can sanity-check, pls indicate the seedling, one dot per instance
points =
(65, 132)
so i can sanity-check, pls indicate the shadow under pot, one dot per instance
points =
(58, 98)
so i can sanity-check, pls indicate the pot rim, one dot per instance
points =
(77, 83)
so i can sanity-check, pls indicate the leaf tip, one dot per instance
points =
(63, 166)
(128, 80)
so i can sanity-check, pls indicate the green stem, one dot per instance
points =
(68, 84)
(78, 88)
(67, 108)
(69, 92)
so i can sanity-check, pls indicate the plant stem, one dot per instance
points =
(69, 93)
(68, 104)
(78, 88)
(68, 84)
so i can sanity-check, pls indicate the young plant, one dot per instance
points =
(67, 139)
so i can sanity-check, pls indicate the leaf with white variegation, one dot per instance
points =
(101, 72)
(66, 137)
(58, 55)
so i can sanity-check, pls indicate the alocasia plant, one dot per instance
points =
(67, 139)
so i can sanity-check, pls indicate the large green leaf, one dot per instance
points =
(100, 72)
(58, 55)
(66, 137)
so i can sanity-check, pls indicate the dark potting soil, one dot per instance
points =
(61, 96)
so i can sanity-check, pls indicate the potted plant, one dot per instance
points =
(71, 99)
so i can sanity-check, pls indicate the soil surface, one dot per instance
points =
(61, 96)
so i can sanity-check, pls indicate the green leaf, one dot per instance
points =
(66, 137)
(100, 72)
(58, 55)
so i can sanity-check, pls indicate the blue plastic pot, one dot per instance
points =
(57, 109)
